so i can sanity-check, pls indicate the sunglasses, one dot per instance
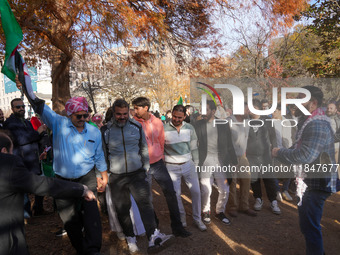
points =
(19, 106)
(79, 116)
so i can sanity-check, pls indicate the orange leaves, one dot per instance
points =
(185, 27)
(275, 69)
(284, 10)
(288, 8)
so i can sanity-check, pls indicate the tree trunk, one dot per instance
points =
(90, 94)
(90, 85)
(60, 80)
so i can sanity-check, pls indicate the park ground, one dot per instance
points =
(265, 234)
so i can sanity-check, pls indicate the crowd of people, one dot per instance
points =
(116, 157)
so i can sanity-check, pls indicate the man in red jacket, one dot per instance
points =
(154, 134)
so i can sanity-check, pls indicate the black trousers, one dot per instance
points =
(77, 214)
(160, 173)
(270, 186)
(121, 186)
(38, 204)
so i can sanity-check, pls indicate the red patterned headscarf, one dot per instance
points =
(76, 104)
(97, 117)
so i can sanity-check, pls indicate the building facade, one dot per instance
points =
(41, 83)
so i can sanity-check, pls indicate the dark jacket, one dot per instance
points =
(260, 143)
(15, 180)
(226, 152)
(25, 141)
(127, 149)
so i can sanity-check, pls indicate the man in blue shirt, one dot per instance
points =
(77, 149)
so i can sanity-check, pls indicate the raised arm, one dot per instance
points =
(47, 114)
(37, 103)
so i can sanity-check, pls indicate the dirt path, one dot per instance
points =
(265, 234)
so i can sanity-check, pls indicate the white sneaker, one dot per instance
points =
(131, 241)
(121, 236)
(286, 196)
(279, 196)
(258, 204)
(200, 225)
(275, 207)
(157, 241)
(206, 217)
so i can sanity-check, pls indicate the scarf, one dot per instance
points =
(76, 104)
(301, 186)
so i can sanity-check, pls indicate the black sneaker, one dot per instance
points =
(61, 232)
(221, 216)
(181, 233)
(206, 217)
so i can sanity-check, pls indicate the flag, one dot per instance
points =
(14, 64)
(180, 101)
(13, 36)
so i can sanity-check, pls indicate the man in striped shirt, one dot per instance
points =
(181, 157)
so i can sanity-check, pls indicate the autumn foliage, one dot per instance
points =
(58, 29)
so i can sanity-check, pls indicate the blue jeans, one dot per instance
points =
(310, 213)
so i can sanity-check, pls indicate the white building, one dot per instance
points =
(41, 83)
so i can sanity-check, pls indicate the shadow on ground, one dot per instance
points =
(265, 234)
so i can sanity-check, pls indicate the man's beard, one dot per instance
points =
(19, 114)
(120, 124)
(330, 114)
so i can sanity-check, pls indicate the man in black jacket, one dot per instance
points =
(216, 154)
(26, 145)
(261, 139)
(15, 180)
